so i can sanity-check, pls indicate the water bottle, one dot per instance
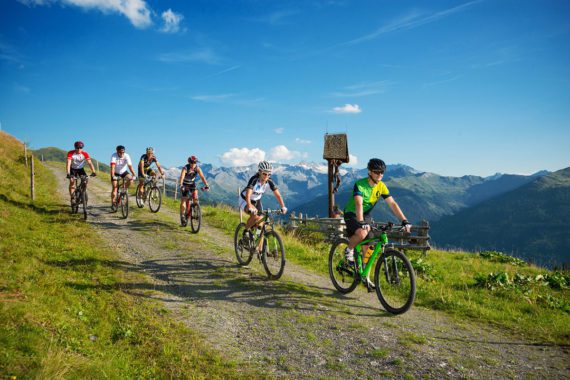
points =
(367, 254)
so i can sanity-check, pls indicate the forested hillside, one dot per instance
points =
(532, 222)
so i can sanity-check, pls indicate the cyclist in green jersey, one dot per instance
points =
(366, 192)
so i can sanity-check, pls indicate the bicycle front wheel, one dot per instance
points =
(154, 199)
(75, 203)
(395, 281)
(242, 245)
(196, 218)
(139, 199)
(341, 273)
(84, 202)
(125, 204)
(273, 256)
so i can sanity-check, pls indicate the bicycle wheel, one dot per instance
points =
(184, 216)
(395, 281)
(196, 218)
(242, 245)
(139, 200)
(154, 199)
(124, 204)
(74, 202)
(273, 256)
(342, 275)
(84, 202)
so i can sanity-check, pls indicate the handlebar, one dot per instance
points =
(385, 227)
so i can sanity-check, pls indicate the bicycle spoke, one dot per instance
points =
(395, 282)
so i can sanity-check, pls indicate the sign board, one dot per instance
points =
(336, 147)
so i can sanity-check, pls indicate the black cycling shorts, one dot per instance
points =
(119, 175)
(148, 171)
(257, 205)
(187, 189)
(77, 172)
(352, 224)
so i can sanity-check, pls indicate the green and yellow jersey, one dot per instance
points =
(369, 194)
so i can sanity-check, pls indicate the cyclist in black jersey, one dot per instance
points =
(145, 169)
(188, 182)
(250, 201)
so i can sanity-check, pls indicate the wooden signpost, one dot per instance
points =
(336, 153)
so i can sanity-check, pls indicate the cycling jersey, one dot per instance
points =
(369, 194)
(77, 159)
(190, 175)
(258, 189)
(121, 164)
(147, 162)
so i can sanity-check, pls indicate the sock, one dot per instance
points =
(349, 254)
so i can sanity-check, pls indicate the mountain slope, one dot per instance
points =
(60, 155)
(531, 222)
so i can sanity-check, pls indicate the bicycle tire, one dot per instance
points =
(395, 281)
(184, 216)
(196, 218)
(342, 275)
(154, 199)
(273, 257)
(244, 253)
(138, 199)
(84, 202)
(74, 202)
(125, 204)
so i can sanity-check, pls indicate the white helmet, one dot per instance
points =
(265, 166)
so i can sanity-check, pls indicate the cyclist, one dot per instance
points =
(366, 192)
(75, 162)
(145, 169)
(121, 164)
(188, 183)
(250, 201)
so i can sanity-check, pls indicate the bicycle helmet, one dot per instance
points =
(265, 166)
(78, 145)
(192, 159)
(150, 149)
(120, 147)
(376, 164)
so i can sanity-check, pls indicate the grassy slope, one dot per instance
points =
(65, 307)
(449, 285)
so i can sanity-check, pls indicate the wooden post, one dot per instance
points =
(42, 158)
(175, 191)
(26, 154)
(32, 178)
(240, 213)
(331, 194)
(97, 162)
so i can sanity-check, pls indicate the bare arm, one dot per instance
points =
(132, 170)
(395, 208)
(358, 208)
(112, 169)
(247, 197)
(141, 166)
(279, 198)
(202, 177)
(68, 166)
(182, 175)
(91, 165)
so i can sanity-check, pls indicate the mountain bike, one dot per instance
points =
(79, 196)
(150, 192)
(265, 242)
(394, 276)
(122, 200)
(193, 213)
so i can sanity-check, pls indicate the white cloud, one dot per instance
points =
(279, 130)
(353, 160)
(301, 141)
(171, 21)
(212, 98)
(347, 108)
(282, 153)
(242, 156)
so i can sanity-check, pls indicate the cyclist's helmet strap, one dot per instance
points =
(265, 166)
(376, 164)
(78, 145)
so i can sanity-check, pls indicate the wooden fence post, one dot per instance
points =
(240, 213)
(32, 178)
(175, 192)
(26, 154)
(97, 162)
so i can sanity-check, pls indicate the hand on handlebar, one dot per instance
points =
(252, 210)
(365, 226)
(206, 188)
(93, 174)
(283, 210)
(69, 176)
(407, 226)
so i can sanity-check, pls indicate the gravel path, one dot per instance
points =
(298, 327)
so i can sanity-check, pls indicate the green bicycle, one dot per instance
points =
(263, 241)
(394, 276)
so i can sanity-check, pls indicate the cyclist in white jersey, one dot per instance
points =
(250, 197)
(75, 165)
(121, 164)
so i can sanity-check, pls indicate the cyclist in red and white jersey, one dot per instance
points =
(75, 165)
(250, 201)
(121, 164)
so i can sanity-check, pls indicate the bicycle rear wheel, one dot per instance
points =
(154, 199)
(273, 256)
(138, 199)
(341, 273)
(242, 245)
(196, 218)
(395, 281)
(84, 202)
(124, 200)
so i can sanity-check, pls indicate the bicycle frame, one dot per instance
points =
(381, 240)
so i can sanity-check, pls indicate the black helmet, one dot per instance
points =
(78, 145)
(192, 159)
(376, 164)
(120, 147)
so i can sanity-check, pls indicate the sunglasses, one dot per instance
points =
(267, 174)
(377, 172)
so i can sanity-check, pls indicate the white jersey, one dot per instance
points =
(121, 164)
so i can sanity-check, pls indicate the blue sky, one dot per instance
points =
(451, 87)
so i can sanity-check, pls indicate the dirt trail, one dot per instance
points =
(298, 327)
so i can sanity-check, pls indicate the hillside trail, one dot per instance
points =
(299, 326)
